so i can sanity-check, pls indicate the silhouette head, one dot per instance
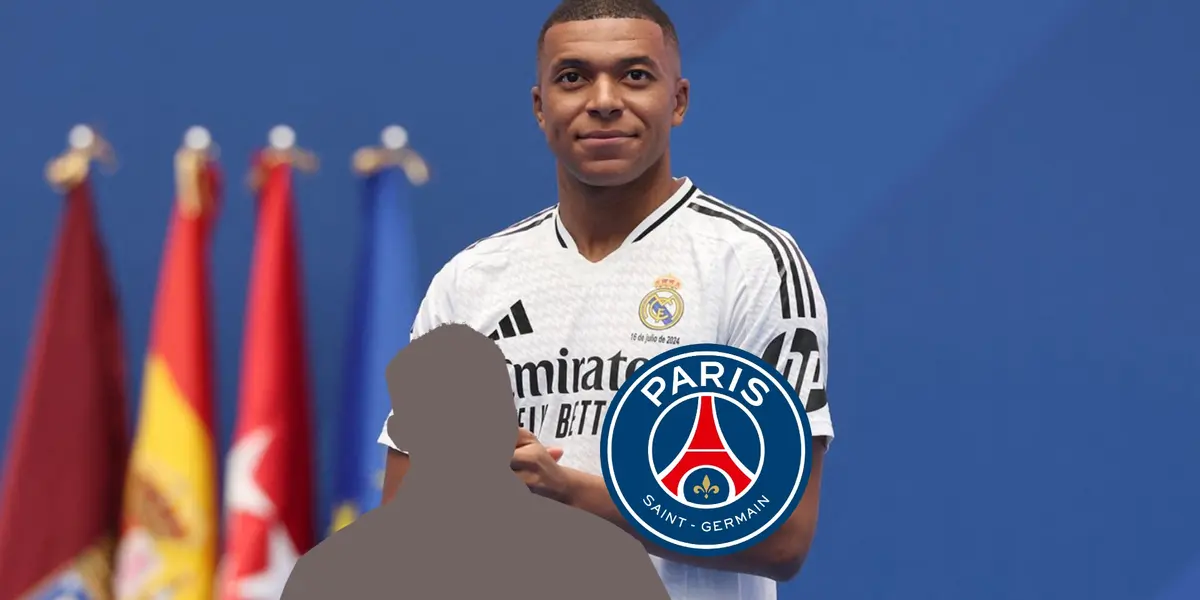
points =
(453, 404)
(454, 412)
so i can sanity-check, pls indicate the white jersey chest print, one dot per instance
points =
(697, 270)
(573, 332)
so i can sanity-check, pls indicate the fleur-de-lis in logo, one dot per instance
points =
(706, 487)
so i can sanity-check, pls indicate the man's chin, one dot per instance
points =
(607, 173)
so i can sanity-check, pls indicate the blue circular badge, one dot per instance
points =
(706, 449)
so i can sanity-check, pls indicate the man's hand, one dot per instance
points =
(538, 467)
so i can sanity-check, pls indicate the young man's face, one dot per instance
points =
(608, 94)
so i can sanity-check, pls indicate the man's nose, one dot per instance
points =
(605, 102)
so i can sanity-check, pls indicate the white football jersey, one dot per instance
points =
(698, 270)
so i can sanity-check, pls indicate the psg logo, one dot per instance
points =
(706, 449)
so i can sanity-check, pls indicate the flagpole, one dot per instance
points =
(394, 151)
(71, 168)
(191, 159)
(281, 149)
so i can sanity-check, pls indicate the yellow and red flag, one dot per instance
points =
(61, 495)
(169, 527)
(268, 490)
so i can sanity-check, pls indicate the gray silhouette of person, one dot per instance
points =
(463, 526)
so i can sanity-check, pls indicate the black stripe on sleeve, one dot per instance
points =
(528, 219)
(784, 300)
(808, 280)
(792, 258)
(529, 224)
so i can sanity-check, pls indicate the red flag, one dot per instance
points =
(268, 489)
(65, 469)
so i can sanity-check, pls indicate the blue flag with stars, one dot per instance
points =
(385, 304)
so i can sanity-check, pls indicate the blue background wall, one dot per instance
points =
(998, 198)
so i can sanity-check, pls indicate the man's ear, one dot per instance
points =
(682, 96)
(536, 93)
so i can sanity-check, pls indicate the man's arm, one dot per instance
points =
(437, 308)
(636, 576)
(778, 557)
(393, 472)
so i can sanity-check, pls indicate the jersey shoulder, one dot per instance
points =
(492, 255)
(524, 235)
(759, 247)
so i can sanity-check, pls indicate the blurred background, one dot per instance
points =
(999, 200)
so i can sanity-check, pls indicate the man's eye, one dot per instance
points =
(569, 77)
(639, 74)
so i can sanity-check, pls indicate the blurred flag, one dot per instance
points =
(61, 496)
(169, 526)
(385, 303)
(268, 489)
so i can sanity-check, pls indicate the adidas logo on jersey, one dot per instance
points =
(515, 323)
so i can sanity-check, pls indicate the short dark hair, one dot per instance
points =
(586, 10)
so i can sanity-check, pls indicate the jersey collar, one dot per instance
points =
(650, 223)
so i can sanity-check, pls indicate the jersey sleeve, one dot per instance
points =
(436, 309)
(778, 314)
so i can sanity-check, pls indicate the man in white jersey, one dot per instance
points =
(630, 262)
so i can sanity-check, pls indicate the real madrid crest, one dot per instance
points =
(662, 308)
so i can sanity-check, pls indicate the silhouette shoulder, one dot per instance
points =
(342, 562)
(311, 577)
(585, 538)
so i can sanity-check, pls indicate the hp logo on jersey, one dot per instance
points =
(706, 449)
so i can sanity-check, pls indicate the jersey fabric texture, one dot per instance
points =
(697, 270)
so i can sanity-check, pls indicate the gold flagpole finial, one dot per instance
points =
(394, 152)
(71, 167)
(282, 148)
(197, 149)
